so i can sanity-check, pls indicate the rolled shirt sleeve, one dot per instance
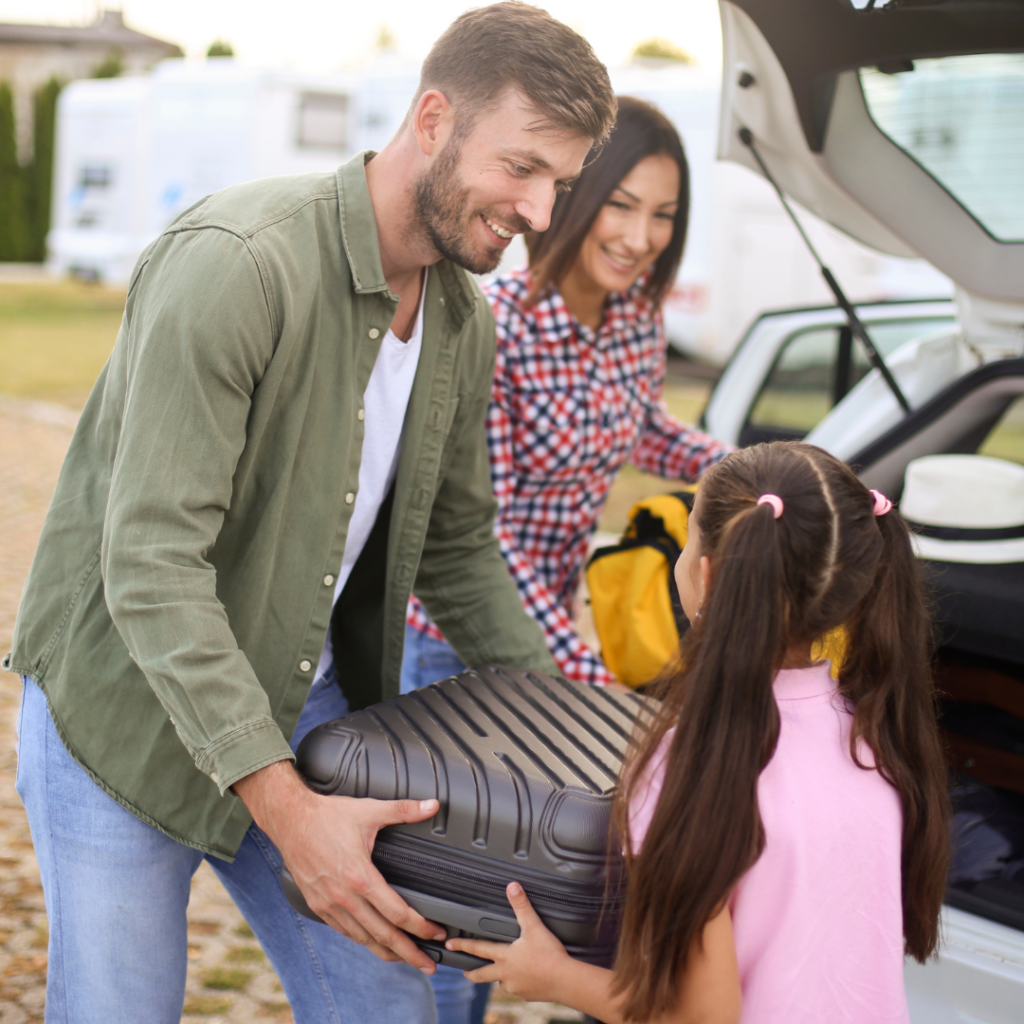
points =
(669, 448)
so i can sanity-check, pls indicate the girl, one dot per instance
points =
(786, 835)
(578, 386)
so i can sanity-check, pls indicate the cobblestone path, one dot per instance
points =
(229, 979)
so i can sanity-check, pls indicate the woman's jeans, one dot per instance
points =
(116, 890)
(426, 661)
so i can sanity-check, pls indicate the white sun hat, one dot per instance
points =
(965, 508)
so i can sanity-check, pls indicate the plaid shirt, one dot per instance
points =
(568, 407)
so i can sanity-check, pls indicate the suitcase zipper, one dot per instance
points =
(422, 871)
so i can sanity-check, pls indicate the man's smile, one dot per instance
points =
(504, 233)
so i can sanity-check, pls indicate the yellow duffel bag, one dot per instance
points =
(633, 594)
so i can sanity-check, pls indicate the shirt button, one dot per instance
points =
(349, 498)
(328, 580)
(361, 414)
(305, 665)
(374, 333)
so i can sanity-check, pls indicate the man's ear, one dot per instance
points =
(432, 119)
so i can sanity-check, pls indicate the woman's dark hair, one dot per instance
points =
(641, 130)
(827, 562)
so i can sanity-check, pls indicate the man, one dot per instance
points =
(288, 436)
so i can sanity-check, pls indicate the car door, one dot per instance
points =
(793, 367)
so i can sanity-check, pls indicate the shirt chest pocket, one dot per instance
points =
(568, 434)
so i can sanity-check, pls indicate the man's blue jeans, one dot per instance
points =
(116, 890)
(426, 661)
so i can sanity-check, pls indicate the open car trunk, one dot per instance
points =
(901, 122)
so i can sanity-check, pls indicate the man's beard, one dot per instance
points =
(442, 202)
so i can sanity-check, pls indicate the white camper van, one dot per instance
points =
(133, 153)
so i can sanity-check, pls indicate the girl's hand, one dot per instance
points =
(533, 966)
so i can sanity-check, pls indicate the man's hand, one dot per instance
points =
(533, 967)
(326, 843)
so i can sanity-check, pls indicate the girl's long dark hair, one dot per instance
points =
(641, 130)
(827, 561)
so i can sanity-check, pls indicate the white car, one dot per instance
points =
(902, 124)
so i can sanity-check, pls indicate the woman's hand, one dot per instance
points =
(534, 967)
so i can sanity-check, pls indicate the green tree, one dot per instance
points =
(110, 67)
(661, 49)
(39, 173)
(12, 205)
(220, 48)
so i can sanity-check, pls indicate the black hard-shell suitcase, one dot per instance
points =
(524, 766)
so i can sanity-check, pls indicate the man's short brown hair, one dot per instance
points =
(489, 49)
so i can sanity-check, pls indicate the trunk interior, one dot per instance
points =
(982, 716)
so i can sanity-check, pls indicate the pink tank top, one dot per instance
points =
(818, 920)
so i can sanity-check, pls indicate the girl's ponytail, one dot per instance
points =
(887, 676)
(706, 831)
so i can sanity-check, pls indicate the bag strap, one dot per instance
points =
(687, 498)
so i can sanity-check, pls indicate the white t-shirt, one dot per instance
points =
(385, 402)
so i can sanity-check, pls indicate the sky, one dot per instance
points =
(326, 35)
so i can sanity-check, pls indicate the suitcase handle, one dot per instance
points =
(482, 923)
(440, 955)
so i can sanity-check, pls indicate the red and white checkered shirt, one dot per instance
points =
(568, 407)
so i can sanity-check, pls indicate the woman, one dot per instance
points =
(578, 392)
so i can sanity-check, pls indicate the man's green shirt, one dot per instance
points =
(182, 589)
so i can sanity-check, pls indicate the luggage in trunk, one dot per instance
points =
(982, 717)
(979, 608)
(524, 766)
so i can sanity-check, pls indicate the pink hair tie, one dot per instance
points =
(882, 503)
(774, 500)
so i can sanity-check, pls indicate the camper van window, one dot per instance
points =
(95, 176)
(323, 121)
(962, 120)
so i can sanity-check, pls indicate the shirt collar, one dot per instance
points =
(799, 683)
(362, 245)
(555, 322)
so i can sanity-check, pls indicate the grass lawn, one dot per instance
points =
(55, 338)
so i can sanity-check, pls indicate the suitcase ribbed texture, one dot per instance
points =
(524, 766)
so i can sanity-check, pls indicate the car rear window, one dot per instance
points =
(962, 120)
